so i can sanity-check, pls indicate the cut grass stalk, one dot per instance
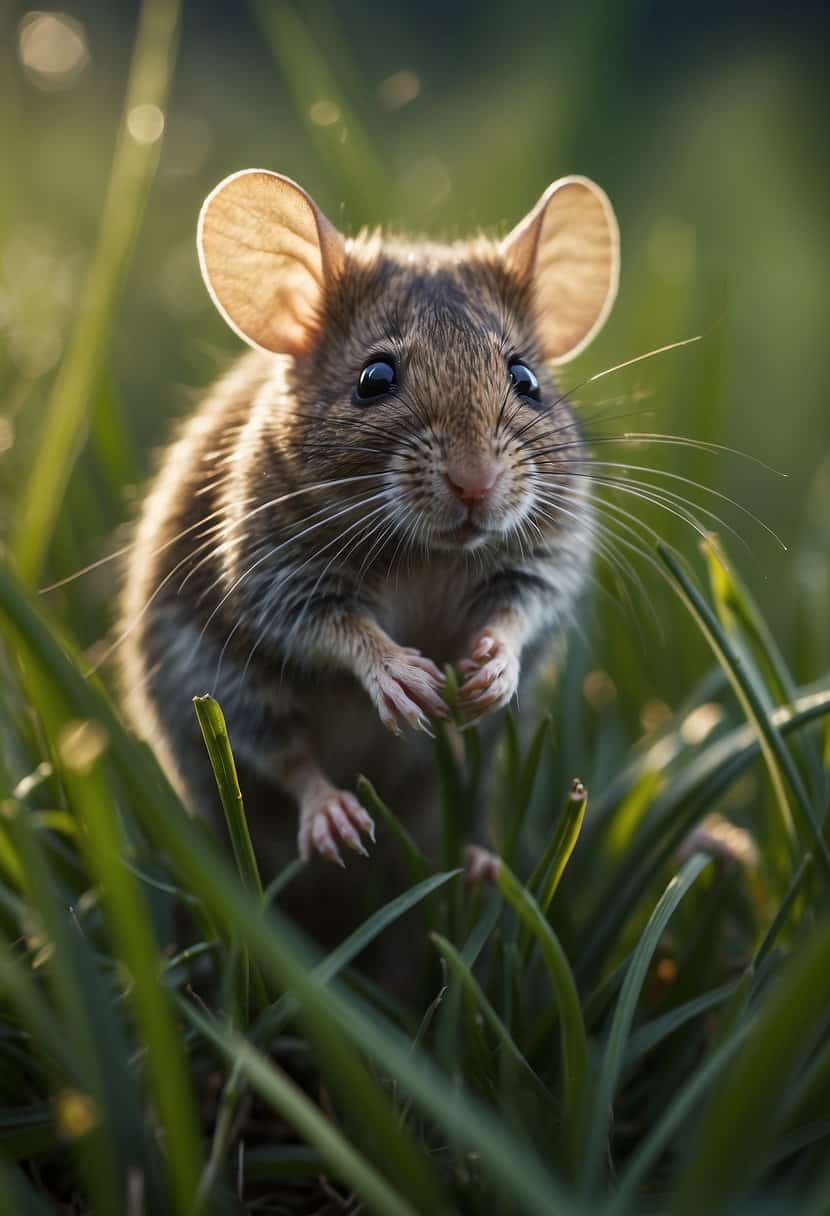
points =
(547, 875)
(215, 734)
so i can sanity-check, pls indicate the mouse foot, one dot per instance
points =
(492, 678)
(329, 817)
(407, 685)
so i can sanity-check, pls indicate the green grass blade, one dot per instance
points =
(744, 1110)
(673, 1121)
(674, 813)
(737, 610)
(522, 791)
(200, 866)
(418, 864)
(779, 920)
(93, 1036)
(304, 1116)
(653, 1033)
(128, 916)
(131, 927)
(780, 764)
(281, 880)
(18, 986)
(548, 873)
(575, 1064)
(471, 985)
(309, 77)
(215, 733)
(19, 1196)
(70, 405)
(274, 1018)
(614, 1055)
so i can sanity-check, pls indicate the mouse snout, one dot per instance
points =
(472, 481)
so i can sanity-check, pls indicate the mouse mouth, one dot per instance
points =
(465, 533)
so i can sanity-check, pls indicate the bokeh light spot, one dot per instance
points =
(52, 48)
(599, 689)
(324, 113)
(398, 90)
(654, 714)
(701, 722)
(145, 123)
(76, 1114)
(426, 182)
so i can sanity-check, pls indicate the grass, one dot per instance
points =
(632, 1017)
(681, 1063)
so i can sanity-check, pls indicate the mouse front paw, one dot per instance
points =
(491, 677)
(329, 817)
(407, 685)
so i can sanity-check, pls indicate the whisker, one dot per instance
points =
(619, 570)
(658, 350)
(272, 550)
(294, 572)
(636, 468)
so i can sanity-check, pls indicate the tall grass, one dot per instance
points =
(683, 1055)
(631, 1016)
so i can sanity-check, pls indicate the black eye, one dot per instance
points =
(377, 378)
(524, 380)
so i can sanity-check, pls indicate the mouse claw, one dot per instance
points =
(330, 817)
(484, 647)
(491, 679)
(407, 686)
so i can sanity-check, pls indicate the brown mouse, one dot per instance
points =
(386, 485)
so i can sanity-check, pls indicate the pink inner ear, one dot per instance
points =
(569, 244)
(266, 252)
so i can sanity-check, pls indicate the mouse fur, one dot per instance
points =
(298, 554)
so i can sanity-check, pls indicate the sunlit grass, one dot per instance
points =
(632, 1014)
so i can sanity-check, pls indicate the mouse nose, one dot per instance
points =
(472, 482)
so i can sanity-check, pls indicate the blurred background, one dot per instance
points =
(706, 124)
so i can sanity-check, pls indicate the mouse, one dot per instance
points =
(389, 482)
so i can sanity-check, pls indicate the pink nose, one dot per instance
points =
(472, 483)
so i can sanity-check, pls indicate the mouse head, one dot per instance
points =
(427, 366)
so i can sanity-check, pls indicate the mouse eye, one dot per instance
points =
(377, 378)
(524, 380)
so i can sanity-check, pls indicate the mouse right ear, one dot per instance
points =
(569, 249)
(266, 253)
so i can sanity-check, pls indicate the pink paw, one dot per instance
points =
(329, 817)
(492, 678)
(407, 685)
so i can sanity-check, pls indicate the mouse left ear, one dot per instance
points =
(569, 248)
(267, 253)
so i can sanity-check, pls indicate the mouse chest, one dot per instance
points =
(429, 609)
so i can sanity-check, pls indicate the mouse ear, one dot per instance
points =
(266, 253)
(569, 246)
